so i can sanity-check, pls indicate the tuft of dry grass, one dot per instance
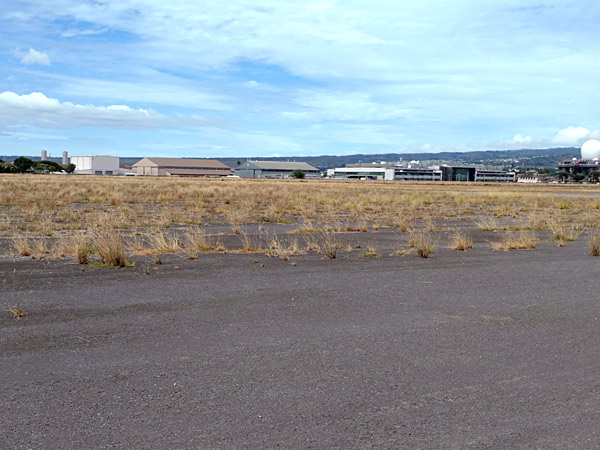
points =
(523, 241)
(370, 252)
(488, 224)
(564, 233)
(594, 241)
(422, 241)
(109, 246)
(22, 246)
(41, 248)
(461, 240)
(198, 241)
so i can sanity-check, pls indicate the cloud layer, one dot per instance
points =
(38, 110)
(311, 77)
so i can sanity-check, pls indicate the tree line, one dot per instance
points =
(23, 164)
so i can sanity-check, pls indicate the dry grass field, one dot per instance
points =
(70, 216)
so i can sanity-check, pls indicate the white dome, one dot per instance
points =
(590, 149)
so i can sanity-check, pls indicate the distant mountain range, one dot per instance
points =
(548, 157)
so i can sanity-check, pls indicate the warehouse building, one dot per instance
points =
(275, 169)
(361, 173)
(96, 165)
(181, 167)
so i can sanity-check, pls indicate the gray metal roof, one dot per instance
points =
(281, 165)
(184, 163)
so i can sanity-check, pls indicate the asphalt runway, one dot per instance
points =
(463, 350)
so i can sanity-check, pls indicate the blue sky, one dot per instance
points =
(289, 78)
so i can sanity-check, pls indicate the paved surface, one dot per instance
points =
(474, 350)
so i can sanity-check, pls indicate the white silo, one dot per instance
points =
(65, 159)
(44, 155)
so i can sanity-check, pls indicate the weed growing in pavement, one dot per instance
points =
(521, 241)
(370, 252)
(594, 241)
(562, 232)
(21, 245)
(16, 311)
(422, 242)
(109, 246)
(461, 240)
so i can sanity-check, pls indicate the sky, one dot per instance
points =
(260, 78)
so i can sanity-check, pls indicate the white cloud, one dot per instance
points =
(520, 139)
(573, 135)
(38, 110)
(343, 106)
(35, 57)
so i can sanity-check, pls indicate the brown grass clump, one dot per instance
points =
(461, 240)
(422, 241)
(109, 246)
(159, 243)
(564, 233)
(22, 246)
(370, 252)
(523, 241)
(41, 248)
(594, 242)
(488, 224)
(198, 241)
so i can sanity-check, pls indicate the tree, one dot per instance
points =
(299, 174)
(70, 168)
(22, 164)
(6, 168)
(48, 165)
(578, 177)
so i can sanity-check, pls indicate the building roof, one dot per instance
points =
(282, 165)
(183, 163)
(200, 172)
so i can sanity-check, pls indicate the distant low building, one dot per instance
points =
(535, 178)
(409, 174)
(361, 173)
(181, 167)
(275, 169)
(575, 166)
(96, 165)
(494, 176)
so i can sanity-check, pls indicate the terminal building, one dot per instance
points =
(437, 173)
(410, 174)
